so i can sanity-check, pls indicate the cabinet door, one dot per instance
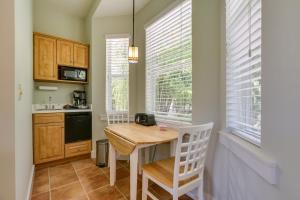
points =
(45, 67)
(81, 56)
(65, 53)
(48, 142)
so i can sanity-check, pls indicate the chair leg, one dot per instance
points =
(200, 191)
(175, 196)
(145, 187)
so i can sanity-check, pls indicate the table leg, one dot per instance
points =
(112, 164)
(133, 173)
(173, 145)
(147, 155)
(140, 161)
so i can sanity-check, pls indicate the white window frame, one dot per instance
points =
(108, 81)
(245, 133)
(160, 118)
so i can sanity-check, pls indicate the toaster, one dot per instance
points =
(144, 119)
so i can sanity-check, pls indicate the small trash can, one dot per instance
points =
(102, 153)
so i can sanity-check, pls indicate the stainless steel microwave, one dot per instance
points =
(73, 74)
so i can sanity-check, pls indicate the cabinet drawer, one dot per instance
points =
(48, 118)
(77, 148)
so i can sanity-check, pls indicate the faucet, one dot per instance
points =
(50, 106)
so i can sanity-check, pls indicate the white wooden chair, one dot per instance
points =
(183, 173)
(117, 117)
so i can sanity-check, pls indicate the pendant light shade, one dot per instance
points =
(133, 51)
(133, 55)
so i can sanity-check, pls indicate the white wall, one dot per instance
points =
(64, 94)
(88, 28)
(206, 66)
(15, 115)
(7, 107)
(101, 27)
(23, 79)
(234, 179)
(54, 21)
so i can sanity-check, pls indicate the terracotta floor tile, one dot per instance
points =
(185, 197)
(81, 164)
(124, 186)
(95, 182)
(42, 196)
(65, 184)
(106, 193)
(118, 166)
(121, 173)
(41, 175)
(123, 163)
(40, 186)
(69, 192)
(154, 193)
(139, 196)
(61, 169)
(63, 179)
(105, 170)
(89, 172)
(163, 194)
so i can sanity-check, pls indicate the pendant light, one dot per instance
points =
(133, 51)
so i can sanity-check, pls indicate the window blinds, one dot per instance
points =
(169, 64)
(243, 71)
(117, 72)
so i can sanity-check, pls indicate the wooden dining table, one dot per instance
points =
(128, 139)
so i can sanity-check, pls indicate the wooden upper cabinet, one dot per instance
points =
(45, 66)
(81, 55)
(50, 52)
(65, 53)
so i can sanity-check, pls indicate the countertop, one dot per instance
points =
(36, 108)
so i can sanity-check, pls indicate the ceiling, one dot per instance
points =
(79, 8)
(118, 7)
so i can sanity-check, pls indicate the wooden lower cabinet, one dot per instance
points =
(49, 142)
(78, 148)
(49, 139)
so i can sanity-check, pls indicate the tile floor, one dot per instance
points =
(83, 180)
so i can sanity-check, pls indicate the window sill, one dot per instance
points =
(103, 117)
(172, 123)
(253, 156)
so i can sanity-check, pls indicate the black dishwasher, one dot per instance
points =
(78, 126)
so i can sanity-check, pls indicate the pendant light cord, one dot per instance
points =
(133, 23)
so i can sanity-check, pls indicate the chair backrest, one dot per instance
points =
(191, 152)
(117, 117)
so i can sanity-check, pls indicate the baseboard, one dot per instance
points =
(206, 196)
(30, 183)
(93, 154)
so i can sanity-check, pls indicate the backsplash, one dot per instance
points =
(63, 95)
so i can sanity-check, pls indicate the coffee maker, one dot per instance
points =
(79, 99)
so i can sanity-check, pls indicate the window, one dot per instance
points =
(243, 70)
(117, 71)
(169, 65)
